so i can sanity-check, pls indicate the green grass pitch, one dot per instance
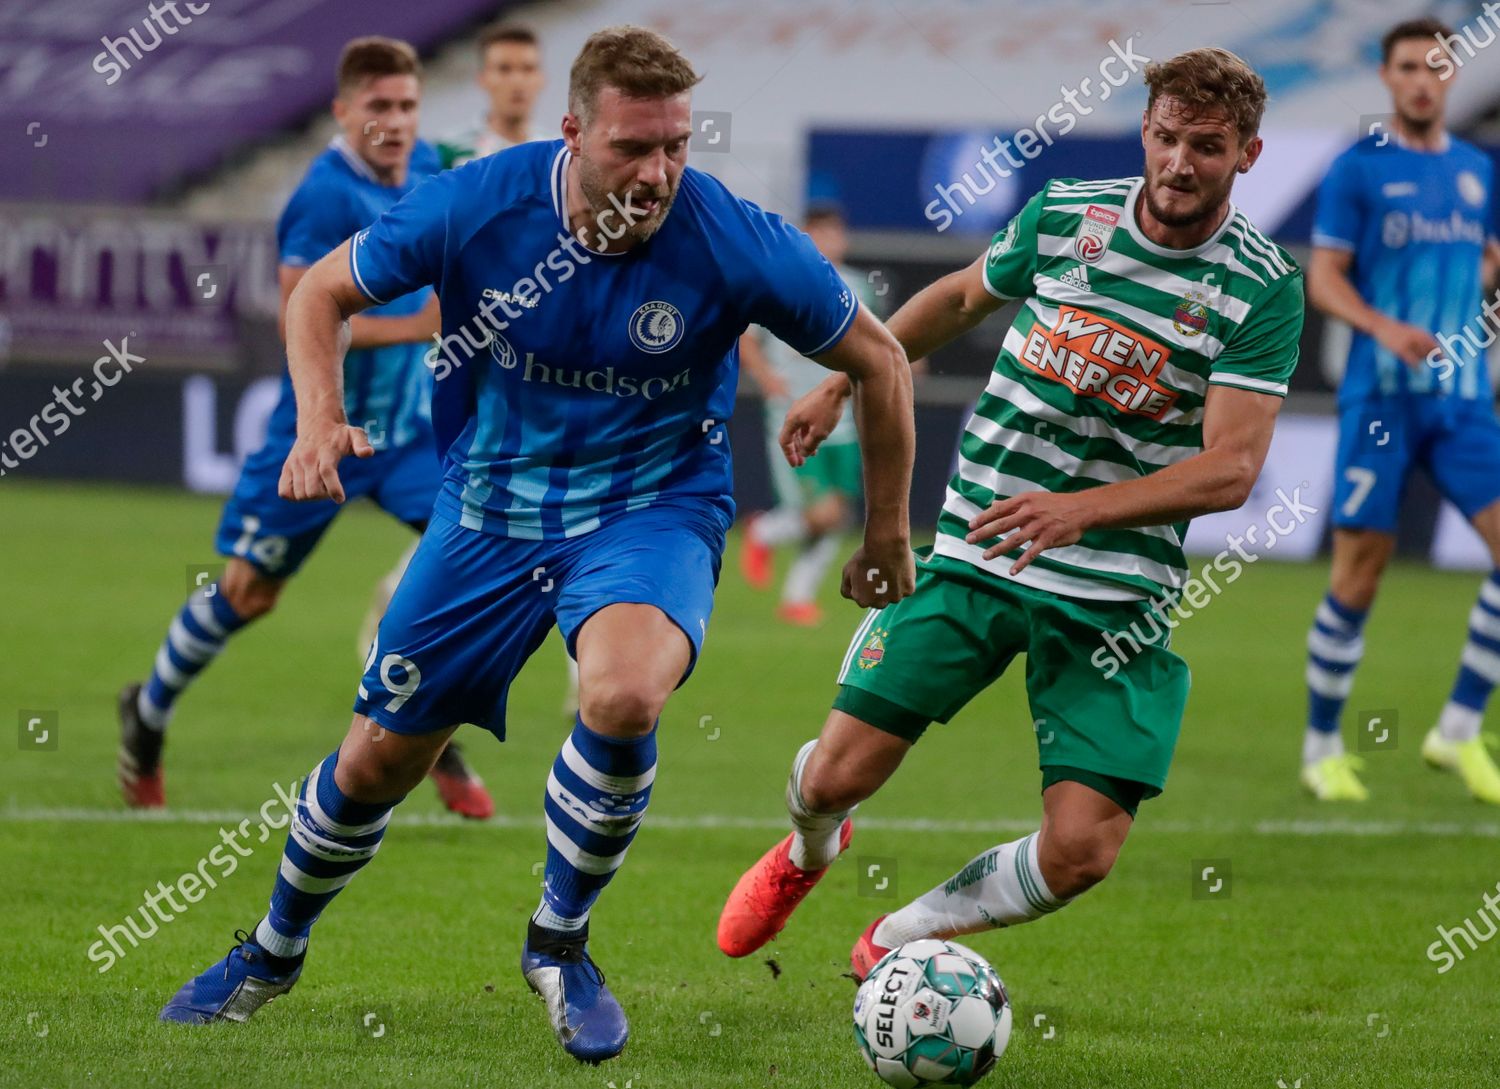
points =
(1311, 971)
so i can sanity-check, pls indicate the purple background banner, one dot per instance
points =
(100, 100)
(72, 278)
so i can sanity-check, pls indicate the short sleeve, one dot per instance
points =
(1341, 211)
(1010, 266)
(1261, 353)
(316, 221)
(403, 249)
(793, 290)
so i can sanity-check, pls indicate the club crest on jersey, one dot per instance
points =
(1094, 232)
(872, 653)
(1470, 187)
(1191, 316)
(656, 327)
(501, 351)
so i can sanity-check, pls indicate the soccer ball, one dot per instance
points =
(931, 1013)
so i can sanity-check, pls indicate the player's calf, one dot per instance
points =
(331, 837)
(1077, 846)
(1014, 882)
(248, 592)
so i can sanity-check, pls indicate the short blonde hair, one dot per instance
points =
(1211, 80)
(637, 62)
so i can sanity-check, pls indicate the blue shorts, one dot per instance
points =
(277, 535)
(1381, 439)
(473, 606)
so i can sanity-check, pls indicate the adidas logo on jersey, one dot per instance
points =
(1077, 276)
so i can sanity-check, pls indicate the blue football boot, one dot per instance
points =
(586, 1017)
(235, 987)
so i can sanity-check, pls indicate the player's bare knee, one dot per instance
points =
(621, 705)
(248, 592)
(369, 771)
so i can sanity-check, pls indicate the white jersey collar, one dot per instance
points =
(356, 164)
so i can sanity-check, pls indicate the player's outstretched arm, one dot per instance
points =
(1237, 427)
(882, 570)
(317, 335)
(932, 317)
(943, 311)
(1331, 291)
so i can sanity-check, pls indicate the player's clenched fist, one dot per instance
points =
(880, 574)
(312, 468)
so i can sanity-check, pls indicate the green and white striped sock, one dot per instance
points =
(1001, 887)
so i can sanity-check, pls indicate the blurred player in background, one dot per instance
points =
(1136, 388)
(587, 486)
(816, 502)
(374, 161)
(510, 72)
(1403, 248)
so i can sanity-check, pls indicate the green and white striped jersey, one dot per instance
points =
(474, 143)
(1103, 374)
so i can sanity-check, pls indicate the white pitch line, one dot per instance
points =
(709, 821)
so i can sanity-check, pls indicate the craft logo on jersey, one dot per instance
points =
(1095, 230)
(1097, 357)
(873, 651)
(656, 327)
(1191, 316)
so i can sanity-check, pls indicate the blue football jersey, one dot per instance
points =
(598, 383)
(1417, 223)
(387, 391)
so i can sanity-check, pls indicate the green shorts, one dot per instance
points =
(1107, 723)
(835, 468)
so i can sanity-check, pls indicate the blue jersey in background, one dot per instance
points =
(386, 390)
(1417, 223)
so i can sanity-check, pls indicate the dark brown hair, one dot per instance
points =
(496, 33)
(1426, 27)
(637, 62)
(373, 58)
(1210, 81)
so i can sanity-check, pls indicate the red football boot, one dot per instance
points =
(766, 895)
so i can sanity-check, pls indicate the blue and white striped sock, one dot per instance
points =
(1334, 648)
(197, 634)
(330, 838)
(1478, 668)
(596, 796)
